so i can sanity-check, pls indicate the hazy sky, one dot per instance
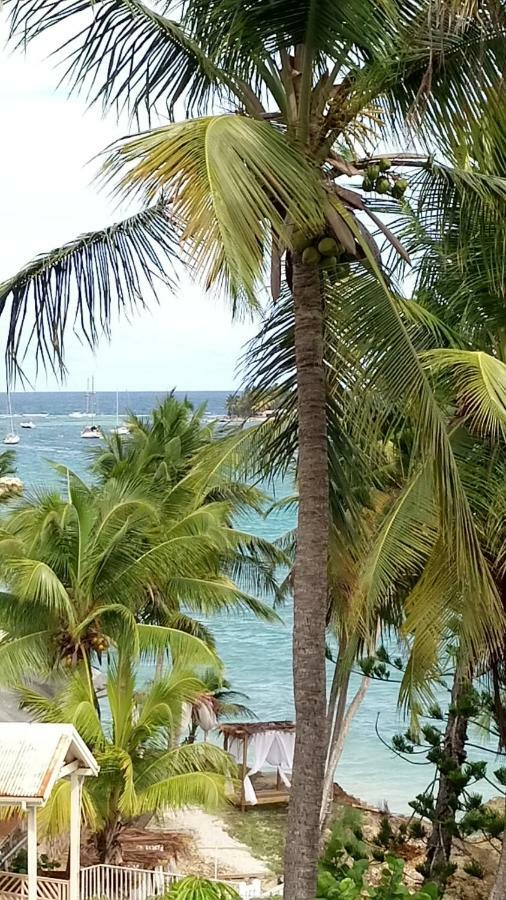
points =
(47, 198)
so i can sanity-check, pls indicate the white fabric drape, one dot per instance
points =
(272, 748)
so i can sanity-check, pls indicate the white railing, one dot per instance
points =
(13, 885)
(104, 882)
(122, 883)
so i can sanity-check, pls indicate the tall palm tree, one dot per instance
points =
(313, 88)
(138, 774)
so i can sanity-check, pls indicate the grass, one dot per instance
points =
(262, 829)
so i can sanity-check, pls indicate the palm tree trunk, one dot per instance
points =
(338, 738)
(310, 590)
(499, 890)
(108, 844)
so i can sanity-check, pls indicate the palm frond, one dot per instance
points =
(226, 177)
(79, 285)
(479, 380)
(125, 53)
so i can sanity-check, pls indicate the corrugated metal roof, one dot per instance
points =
(32, 755)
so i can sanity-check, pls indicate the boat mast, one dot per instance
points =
(92, 400)
(9, 406)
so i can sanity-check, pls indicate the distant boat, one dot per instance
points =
(83, 415)
(12, 437)
(28, 424)
(119, 429)
(91, 431)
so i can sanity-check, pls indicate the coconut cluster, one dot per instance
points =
(324, 251)
(377, 177)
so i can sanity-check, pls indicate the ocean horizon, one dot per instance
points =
(258, 657)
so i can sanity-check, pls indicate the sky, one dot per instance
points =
(47, 197)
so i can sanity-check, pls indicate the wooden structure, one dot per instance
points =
(33, 758)
(243, 732)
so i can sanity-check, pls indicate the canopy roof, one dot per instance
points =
(33, 756)
(241, 729)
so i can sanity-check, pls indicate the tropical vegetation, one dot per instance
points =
(134, 735)
(315, 96)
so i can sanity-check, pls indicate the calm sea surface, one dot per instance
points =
(257, 656)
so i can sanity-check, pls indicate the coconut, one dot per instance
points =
(384, 165)
(310, 256)
(399, 188)
(373, 172)
(300, 241)
(382, 185)
(328, 247)
(343, 269)
(329, 263)
(367, 184)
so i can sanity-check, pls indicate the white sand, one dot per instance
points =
(214, 844)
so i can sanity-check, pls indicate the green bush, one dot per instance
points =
(354, 885)
(192, 888)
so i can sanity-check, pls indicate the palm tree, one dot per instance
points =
(192, 888)
(86, 569)
(313, 88)
(216, 703)
(138, 774)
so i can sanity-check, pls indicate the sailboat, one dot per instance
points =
(12, 437)
(86, 413)
(119, 429)
(91, 431)
(28, 424)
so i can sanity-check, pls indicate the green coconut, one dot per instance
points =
(343, 269)
(310, 256)
(300, 241)
(400, 187)
(329, 263)
(384, 165)
(328, 247)
(373, 171)
(382, 185)
(367, 184)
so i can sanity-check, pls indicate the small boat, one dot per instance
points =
(77, 415)
(28, 424)
(91, 431)
(119, 429)
(12, 437)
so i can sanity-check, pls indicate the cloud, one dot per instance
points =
(48, 197)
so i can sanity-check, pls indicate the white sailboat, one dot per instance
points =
(28, 424)
(92, 431)
(12, 437)
(86, 413)
(119, 429)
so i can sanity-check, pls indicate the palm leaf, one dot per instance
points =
(79, 284)
(480, 382)
(227, 177)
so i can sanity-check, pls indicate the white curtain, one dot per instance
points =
(272, 748)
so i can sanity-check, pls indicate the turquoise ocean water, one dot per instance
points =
(257, 656)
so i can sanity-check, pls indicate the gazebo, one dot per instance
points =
(33, 758)
(258, 744)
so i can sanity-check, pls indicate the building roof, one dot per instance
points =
(32, 757)
(241, 729)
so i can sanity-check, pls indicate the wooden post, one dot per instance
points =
(75, 834)
(31, 813)
(244, 770)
